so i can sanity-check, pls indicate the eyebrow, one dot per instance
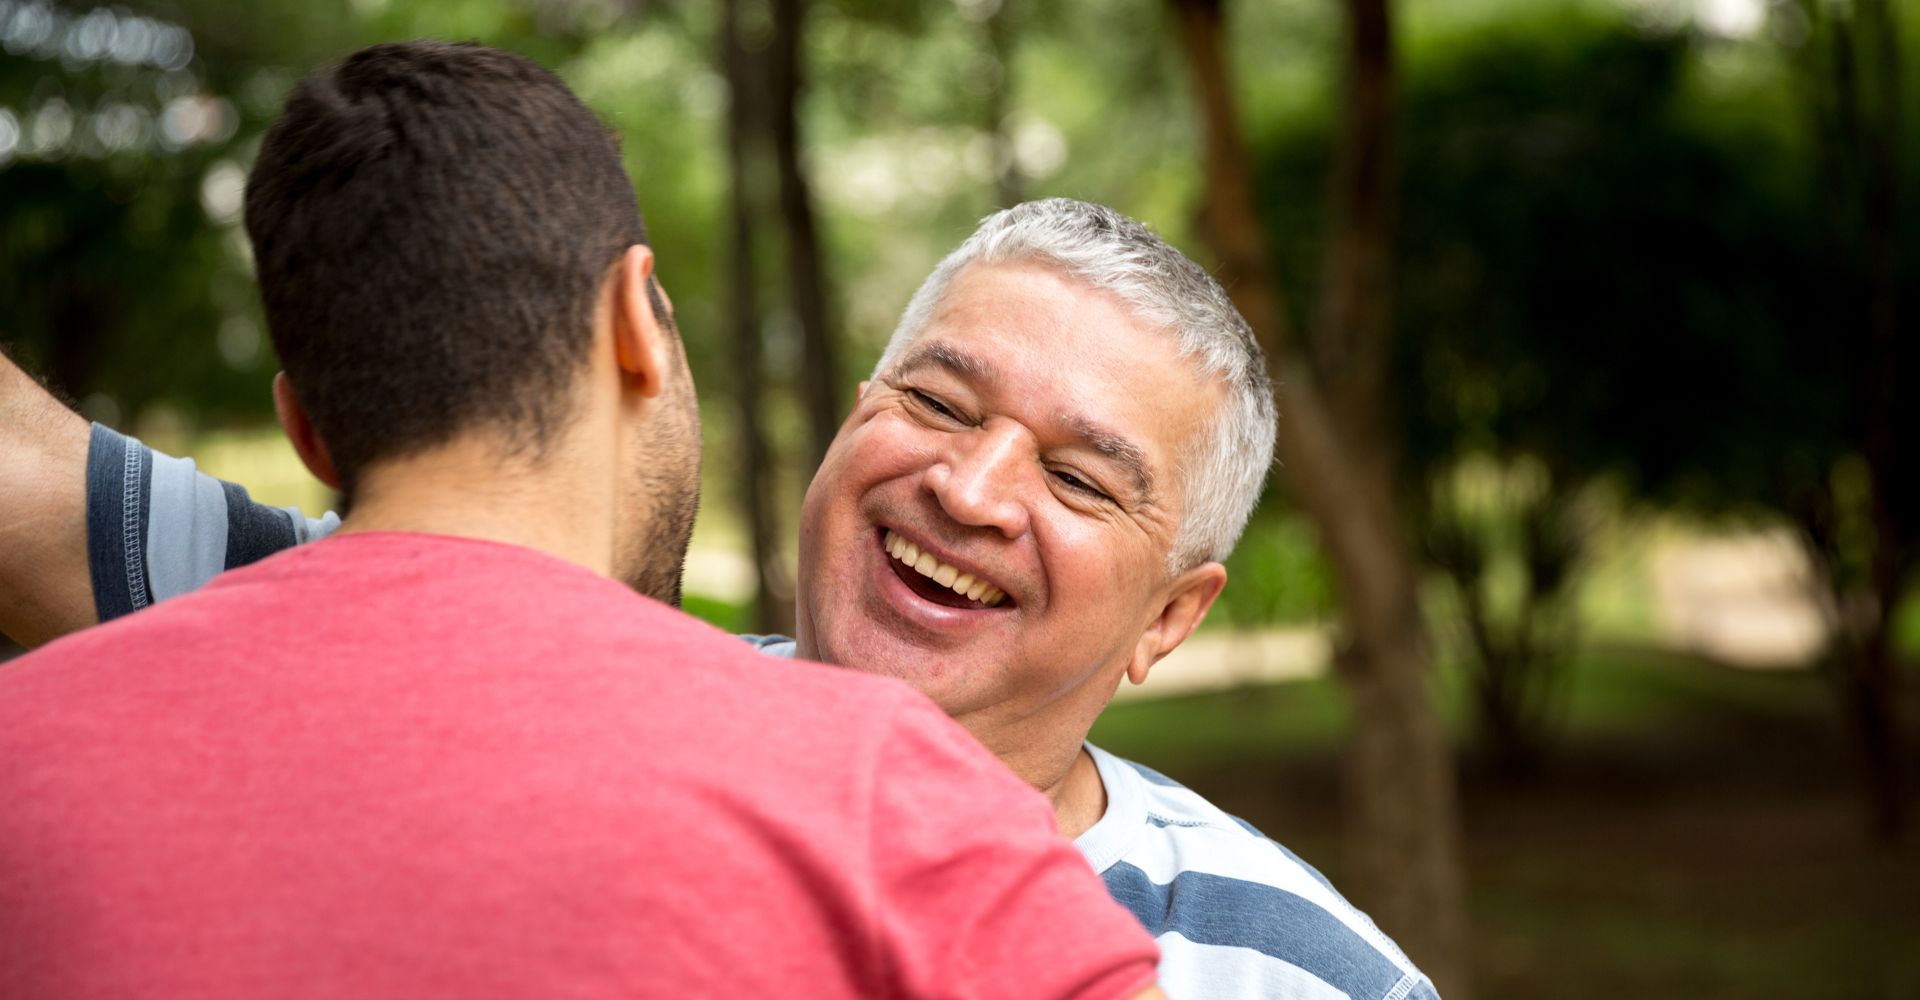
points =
(1109, 444)
(953, 359)
(1114, 448)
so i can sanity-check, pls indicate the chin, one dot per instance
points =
(867, 646)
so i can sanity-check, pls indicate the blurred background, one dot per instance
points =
(1574, 639)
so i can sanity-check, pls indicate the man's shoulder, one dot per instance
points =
(460, 621)
(1239, 912)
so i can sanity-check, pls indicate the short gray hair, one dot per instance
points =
(1223, 477)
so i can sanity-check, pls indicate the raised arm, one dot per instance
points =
(158, 527)
(44, 586)
(95, 525)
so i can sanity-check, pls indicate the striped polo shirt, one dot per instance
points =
(1236, 914)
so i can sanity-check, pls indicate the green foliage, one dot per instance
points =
(1607, 262)
(120, 189)
(1622, 259)
(125, 271)
(1275, 574)
(1512, 543)
(724, 615)
(1613, 257)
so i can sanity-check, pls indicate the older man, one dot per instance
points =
(1028, 504)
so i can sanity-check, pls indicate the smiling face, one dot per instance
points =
(1027, 438)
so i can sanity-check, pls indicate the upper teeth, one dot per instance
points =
(946, 576)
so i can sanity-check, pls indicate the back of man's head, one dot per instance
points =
(431, 225)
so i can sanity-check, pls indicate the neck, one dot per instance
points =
(1047, 750)
(472, 488)
(1079, 797)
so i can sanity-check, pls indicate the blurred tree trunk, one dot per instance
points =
(1892, 477)
(1857, 85)
(753, 468)
(1518, 651)
(1006, 164)
(806, 274)
(1335, 445)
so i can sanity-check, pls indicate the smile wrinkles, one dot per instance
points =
(929, 565)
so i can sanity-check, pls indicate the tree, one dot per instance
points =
(122, 196)
(1860, 523)
(753, 470)
(1484, 525)
(806, 269)
(1336, 445)
(998, 27)
(1733, 365)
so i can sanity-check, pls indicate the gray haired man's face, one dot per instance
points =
(993, 521)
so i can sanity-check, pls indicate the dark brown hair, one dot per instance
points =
(431, 225)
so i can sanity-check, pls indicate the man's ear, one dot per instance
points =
(641, 341)
(1188, 600)
(306, 441)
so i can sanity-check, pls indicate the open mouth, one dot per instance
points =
(936, 581)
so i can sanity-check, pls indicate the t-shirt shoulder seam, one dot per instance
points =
(1201, 813)
(1192, 823)
(1405, 986)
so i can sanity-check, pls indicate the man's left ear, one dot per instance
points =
(300, 431)
(641, 340)
(1189, 598)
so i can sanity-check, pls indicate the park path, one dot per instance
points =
(1212, 661)
(1736, 598)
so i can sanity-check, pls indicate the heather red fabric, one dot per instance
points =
(401, 765)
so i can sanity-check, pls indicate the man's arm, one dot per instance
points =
(95, 525)
(157, 527)
(44, 586)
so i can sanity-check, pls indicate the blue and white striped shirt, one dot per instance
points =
(1236, 914)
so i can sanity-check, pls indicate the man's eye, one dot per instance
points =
(940, 409)
(1078, 485)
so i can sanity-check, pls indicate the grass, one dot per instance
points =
(731, 616)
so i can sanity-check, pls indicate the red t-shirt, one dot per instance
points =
(400, 765)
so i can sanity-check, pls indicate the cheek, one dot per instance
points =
(882, 450)
(862, 459)
(1096, 583)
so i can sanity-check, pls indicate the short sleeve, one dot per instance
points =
(157, 527)
(978, 894)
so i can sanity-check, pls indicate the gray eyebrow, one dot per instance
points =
(1114, 448)
(1110, 445)
(946, 356)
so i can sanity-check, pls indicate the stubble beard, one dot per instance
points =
(657, 558)
(666, 498)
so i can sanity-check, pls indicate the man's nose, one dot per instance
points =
(980, 479)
